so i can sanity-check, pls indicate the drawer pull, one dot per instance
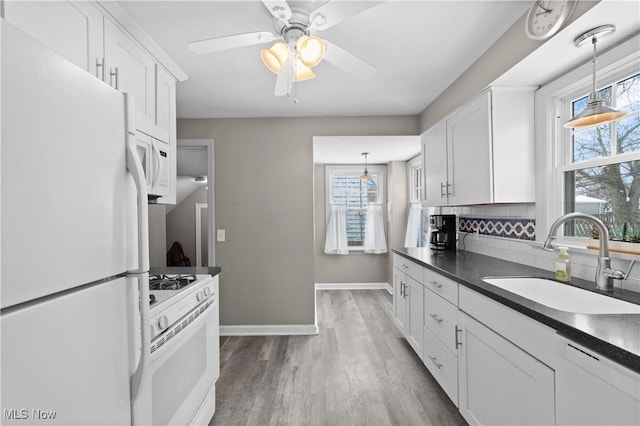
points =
(436, 318)
(436, 283)
(404, 266)
(435, 361)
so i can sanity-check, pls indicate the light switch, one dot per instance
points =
(220, 235)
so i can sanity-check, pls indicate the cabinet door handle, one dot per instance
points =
(100, 66)
(442, 194)
(114, 74)
(435, 361)
(458, 342)
(436, 283)
(436, 318)
(448, 186)
(405, 290)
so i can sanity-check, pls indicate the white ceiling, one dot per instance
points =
(418, 48)
(349, 149)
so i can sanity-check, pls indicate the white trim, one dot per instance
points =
(354, 286)
(209, 146)
(269, 330)
(199, 207)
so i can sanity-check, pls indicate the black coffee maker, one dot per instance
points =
(443, 231)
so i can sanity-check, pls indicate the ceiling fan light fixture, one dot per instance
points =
(275, 57)
(597, 112)
(310, 50)
(302, 72)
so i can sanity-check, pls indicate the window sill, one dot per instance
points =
(617, 249)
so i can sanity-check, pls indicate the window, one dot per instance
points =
(601, 171)
(596, 170)
(345, 187)
(415, 179)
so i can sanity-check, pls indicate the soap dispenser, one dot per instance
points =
(563, 265)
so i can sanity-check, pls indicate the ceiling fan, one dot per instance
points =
(298, 49)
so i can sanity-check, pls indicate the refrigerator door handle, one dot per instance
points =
(134, 165)
(139, 377)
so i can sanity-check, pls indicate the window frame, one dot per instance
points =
(412, 166)
(553, 148)
(354, 170)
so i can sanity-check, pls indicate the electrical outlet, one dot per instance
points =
(476, 235)
(220, 235)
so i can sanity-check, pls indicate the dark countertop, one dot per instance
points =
(209, 270)
(616, 336)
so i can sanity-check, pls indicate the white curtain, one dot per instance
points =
(374, 238)
(412, 237)
(336, 238)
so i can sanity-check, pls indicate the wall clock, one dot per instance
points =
(545, 18)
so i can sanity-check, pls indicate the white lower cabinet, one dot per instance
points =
(500, 383)
(408, 308)
(591, 389)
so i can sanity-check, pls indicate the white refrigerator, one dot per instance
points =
(74, 255)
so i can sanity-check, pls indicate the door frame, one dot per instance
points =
(209, 146)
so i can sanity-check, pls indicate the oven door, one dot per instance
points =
(183, 370)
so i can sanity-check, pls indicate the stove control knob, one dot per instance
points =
(200, 296)
(163, 322)
(207, 291)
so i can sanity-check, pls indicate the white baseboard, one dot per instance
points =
(269, 330)
(354, 286)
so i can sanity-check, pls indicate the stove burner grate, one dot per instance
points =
(170, 282)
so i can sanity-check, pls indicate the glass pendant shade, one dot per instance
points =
(365, 175)
(275, 57)
(310, 50)
(302, 72)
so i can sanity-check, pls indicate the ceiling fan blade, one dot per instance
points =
(279, 9)
(218, 44)
(336, 11)
(284, 82)
(347, 61)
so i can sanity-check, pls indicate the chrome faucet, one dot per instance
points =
(604, 274)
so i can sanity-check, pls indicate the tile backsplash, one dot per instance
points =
(509, 232)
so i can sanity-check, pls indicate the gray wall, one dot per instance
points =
(512, 47)
(398, 196)
(181, 223)
(264, 200)
(352, 268)
(157, 235)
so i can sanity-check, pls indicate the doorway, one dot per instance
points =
(191, 219)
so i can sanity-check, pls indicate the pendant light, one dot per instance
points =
(365, 175)
(597, 112)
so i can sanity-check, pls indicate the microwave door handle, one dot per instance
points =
(156, 168)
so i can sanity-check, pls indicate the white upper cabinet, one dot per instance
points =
(129, 68)
(434, 152)
(483, 153)
(74, 29)
(165, 102)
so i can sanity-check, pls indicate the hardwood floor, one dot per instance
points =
(358, 370)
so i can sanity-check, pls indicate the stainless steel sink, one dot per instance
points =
(563, 297)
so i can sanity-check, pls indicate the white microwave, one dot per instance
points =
(154, 155)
